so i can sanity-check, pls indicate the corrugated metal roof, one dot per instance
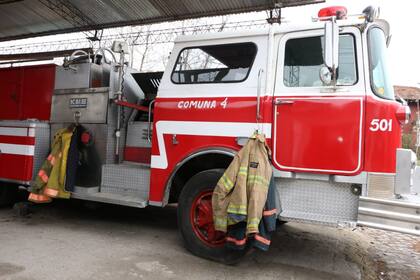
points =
(29, 18)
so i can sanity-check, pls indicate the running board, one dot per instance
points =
(112, 198)
(393, 215)
(124, 184)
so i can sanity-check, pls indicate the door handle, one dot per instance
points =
(284, 102)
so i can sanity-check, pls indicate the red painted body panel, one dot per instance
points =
(380, 146)
(335, 124)
(17, 140)
(239, 109)
(176, 153)
(16, 167)
(37, 89)
(137, 154)
(10, 93)
(319, 134)
(25, 92)
(340, 141)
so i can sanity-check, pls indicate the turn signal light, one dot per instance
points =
(334, 11)
(403, 114)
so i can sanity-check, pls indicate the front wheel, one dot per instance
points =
(195, 219)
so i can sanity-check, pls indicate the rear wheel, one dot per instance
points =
(8, 194)
(195, 219)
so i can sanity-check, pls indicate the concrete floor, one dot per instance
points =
(64, 240)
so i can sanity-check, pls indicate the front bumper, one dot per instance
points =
(407, 176)
(397, 206)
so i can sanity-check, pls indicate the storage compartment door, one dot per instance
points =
(9, 94)
(16, 153)
(37, 89)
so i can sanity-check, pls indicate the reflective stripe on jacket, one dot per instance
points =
(50, 180)
(236, 235)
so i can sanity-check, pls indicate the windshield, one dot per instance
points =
(379, 72)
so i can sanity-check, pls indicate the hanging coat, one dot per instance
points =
(237, 238)
(241, 193)
(50, 181)
(73, 159)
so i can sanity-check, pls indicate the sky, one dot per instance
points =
(403, 52)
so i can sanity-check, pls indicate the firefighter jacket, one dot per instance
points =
(50, 181)
(241, 193)
(236, 236)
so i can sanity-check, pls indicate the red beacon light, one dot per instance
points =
(340, 12)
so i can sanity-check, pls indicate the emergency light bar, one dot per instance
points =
(340, 12)
(370, 13)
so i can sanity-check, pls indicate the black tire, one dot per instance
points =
(199, 183)
(8, 194)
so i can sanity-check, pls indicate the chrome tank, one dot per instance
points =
(84, 94)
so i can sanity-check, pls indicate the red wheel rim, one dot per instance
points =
(201, 217)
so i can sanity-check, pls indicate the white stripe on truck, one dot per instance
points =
(195, 128)
(13, 131)
(16, 149)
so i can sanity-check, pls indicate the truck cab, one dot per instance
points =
(336, 147)
(319, 92)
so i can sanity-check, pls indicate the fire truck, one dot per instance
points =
(320, 92)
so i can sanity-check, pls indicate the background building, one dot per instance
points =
(412, 96)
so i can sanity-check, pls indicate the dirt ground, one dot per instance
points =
(68, 240)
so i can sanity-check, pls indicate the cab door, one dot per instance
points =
(318, 128)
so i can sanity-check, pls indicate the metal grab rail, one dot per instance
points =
(149, 119)
(259, 94)
(131, 105)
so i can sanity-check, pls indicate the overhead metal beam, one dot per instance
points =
(3, 2)
(39, 55)
(133, 38)
(81, 22)
(68, 11)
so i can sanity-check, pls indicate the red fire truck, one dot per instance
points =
(320, 92)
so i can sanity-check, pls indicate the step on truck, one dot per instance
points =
(320, 92)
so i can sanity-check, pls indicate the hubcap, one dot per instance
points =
(202, 220)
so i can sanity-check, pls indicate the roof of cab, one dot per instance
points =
(276, 29)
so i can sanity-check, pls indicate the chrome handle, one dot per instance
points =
(77, 115)
(259, 93)
(284, 102)
(149, 120)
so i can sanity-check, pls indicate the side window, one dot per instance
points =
(214, 64)
(304, 58)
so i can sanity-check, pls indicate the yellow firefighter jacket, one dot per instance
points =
(241, 192)
(50, 181)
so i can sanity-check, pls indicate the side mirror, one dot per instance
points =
(331, 40)
(371, 13)
(325, 75)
